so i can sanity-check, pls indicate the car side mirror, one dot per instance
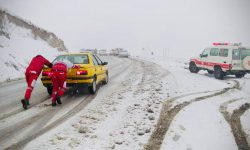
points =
(104, 63)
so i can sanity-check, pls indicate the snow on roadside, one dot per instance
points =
(245, 121)
(197, 128)
(18, 49)
(177, 138)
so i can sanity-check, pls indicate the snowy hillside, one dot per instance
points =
(20, 41)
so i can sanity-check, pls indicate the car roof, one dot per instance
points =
(86, 53)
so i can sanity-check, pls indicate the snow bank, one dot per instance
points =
(18, 45)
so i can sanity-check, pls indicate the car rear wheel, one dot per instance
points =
(49, 90)
(106, 79)
(218, 73)
(193, 68)
(92, 88)
(239, 75)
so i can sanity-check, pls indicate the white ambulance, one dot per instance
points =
(223, 59)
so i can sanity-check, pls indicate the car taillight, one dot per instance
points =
(46, 73)
(81, 72)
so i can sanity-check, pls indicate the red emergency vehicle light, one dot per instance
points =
(81, 72)
(215, 44)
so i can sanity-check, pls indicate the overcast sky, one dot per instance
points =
(184, 27)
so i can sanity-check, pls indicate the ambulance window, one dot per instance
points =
(94, 61)
(214, 52)
(223, 52)
(236, 54)
(205, 52)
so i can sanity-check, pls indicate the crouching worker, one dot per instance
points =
(32, 73)
(59, 76)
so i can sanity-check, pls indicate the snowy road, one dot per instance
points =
(18, 127)
(159, 105)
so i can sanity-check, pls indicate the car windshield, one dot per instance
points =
(245, 53)
(75, 59)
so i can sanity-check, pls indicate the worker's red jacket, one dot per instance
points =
(60, 66)
(36, 65)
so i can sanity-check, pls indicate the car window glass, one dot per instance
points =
(214, 52)
(94, 61)
(80, 59)
(75, 59)
(205, 52)
(223, 52)
(61, 59)
(245, 53)
(98, 60)
(236, 54)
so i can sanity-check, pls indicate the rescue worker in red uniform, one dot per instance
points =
(32, 73)
(59, 72)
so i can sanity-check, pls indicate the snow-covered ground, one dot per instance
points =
(128, 116)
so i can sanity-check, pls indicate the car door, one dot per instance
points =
(98, 71)
(204, 58)
(213, 58)
(102, 69)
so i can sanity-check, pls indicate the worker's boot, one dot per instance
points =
(53, 104)
(28, 103)
(25, 103)
(58, 100)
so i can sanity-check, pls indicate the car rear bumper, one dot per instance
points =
(71, 81)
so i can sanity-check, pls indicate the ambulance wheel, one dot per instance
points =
(193, 68)
(92, 88)
(218, 73)
(239, 75)
(49, 90)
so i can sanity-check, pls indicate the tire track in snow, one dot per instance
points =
(41, 118)
(21, 109)
(71, 113)
(234, 121)
(168, 114)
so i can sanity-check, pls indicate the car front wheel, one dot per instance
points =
(193, 68)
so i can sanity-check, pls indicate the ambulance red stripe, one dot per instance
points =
(211, 64)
